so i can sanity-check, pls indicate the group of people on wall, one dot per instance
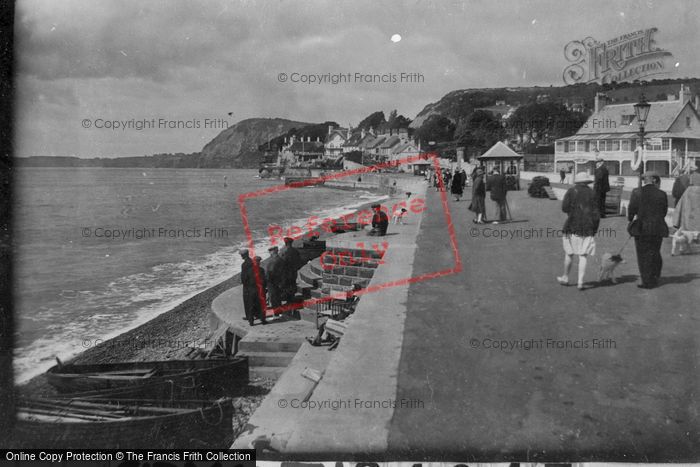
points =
(274, 284)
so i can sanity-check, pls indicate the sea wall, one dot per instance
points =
(383, 183)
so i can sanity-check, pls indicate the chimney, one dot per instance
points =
(697, 102)
(684, 95)
(363, 133)
(671, 97)
(600, 101)
(308, 139)
(330, 129)
(318, 139)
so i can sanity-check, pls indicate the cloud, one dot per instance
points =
(200, 58)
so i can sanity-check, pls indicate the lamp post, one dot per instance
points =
(641, 111)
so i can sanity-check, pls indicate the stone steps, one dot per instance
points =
(334, 288)
(315, 267)
(308, 276)
(304, 289)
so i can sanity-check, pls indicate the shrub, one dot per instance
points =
(536, 187)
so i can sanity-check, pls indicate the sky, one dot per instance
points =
(178, 68)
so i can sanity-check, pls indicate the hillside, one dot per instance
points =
(237, 146)
(458, 105)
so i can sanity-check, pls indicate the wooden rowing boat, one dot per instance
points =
(109, 424)
(203, 379)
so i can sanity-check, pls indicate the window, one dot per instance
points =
(587, 145)
(665, 144)
(616, 145)
(581, 146)
(655, 144)
(572, 146)
(627, 119)
(609, 145)
(560, 146)
(625, 144)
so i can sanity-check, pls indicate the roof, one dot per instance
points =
(403, 146)
(373, 144)
(647, 135)
(500, 151)
(661, 116)
(342, 132)
(367, 141)
(392, 140)
(354, 140)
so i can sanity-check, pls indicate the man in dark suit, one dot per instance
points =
(601, 184)
(292, 263)
(276, 276)
(649, 205)
(250, 290)
(496, 183)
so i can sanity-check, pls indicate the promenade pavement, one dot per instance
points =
(631, 394)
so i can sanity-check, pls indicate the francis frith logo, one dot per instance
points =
(628, 57)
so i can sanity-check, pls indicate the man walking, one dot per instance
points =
(276, 276)
(496, 183)
(601, 185)
(580, 227)
(646, 212)
(250, 290)
(292, 263)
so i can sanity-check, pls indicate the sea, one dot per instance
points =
(99, 251)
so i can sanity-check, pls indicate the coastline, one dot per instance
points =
(168, 336)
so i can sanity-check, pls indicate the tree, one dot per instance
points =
(397, 121)
(481, 129)
(544, 122)
(436, 128)
(374, 120)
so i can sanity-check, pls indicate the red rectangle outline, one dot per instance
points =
(314, 181)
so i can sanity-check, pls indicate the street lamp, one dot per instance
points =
(641, 111)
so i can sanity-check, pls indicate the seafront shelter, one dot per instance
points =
(507, 161)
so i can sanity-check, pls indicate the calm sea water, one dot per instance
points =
(77, 280)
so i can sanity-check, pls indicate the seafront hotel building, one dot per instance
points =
(612, 132)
